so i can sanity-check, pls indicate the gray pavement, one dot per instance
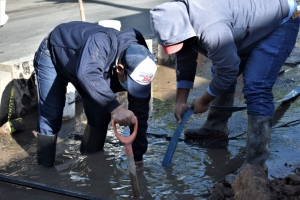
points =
(30, 20)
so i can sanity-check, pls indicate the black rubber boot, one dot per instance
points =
(46, 149)
(93, 139)
(258, 140)
(215, 126)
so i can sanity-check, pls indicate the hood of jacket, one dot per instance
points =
(162, 19)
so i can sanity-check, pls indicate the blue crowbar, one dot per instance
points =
(174, 140)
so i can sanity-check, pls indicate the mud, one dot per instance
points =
(252, 183)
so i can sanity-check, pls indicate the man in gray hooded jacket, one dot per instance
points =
(253, 38)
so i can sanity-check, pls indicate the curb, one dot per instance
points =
(18, 73)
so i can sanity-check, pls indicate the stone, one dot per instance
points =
(252, 183)
(292, 179)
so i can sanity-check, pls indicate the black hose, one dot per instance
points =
(291, 123)
(48, 188)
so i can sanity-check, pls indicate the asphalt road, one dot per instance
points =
(31, 20)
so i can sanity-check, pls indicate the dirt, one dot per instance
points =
(17, 148)
(253, 183)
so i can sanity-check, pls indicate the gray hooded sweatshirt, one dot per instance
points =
(223, 30)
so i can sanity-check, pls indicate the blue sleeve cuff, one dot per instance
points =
(185, 84)
(209, 92)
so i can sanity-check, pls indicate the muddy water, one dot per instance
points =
(195, 167)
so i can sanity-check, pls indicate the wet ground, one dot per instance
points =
(195, 166)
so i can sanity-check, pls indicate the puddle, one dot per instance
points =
(195, 166)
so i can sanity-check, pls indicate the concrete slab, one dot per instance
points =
(22, 79)
(20, 73)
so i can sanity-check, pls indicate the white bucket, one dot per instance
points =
(111, 24)
(3, 15)
(69, 109)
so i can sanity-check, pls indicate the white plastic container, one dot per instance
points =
(69, 110)
(3, 15)
(111, 24)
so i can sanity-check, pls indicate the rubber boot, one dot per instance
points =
(93, 139)
(258, 140)
(215, 126)
(46, 149)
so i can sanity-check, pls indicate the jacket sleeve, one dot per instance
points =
(140, 108)
(91, 70)
(186, 64)
(218, 40)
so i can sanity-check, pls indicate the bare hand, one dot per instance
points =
(179, 110)
(123, 116)
(200, 106)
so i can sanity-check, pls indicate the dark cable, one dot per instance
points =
(48, 188)
(291, 123)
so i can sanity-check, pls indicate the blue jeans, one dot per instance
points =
(51, 90)
(261, 67)
(52, 87)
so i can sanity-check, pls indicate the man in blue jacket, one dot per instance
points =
(253, 38)
(99, 62)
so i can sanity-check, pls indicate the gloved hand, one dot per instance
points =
(123, 116)
(179, 109)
